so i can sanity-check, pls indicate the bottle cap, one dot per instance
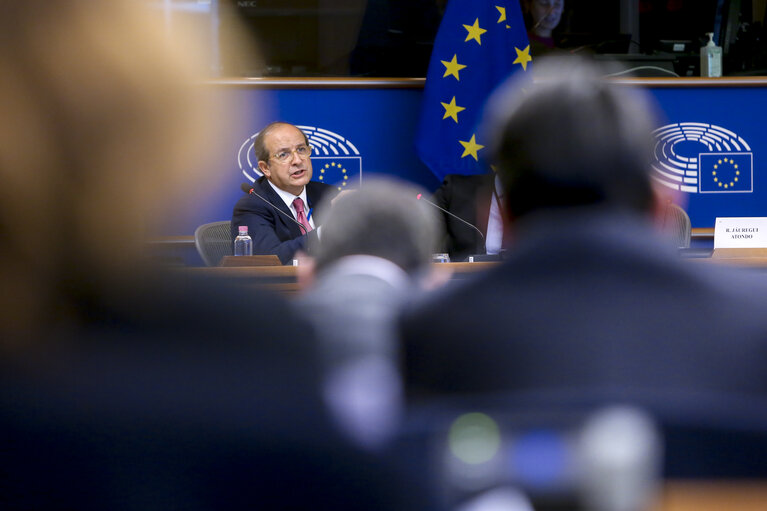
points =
(243, 229)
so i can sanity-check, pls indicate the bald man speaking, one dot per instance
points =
(279, 209)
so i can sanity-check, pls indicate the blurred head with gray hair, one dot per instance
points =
(383, 219)
(570, 137)
(107, 131)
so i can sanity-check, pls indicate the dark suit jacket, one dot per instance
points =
(467, 197)
(591, 309)
(589, 301)
(179, 394)
(272, 232)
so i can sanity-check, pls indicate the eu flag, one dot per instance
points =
(725, 172)
(479, 44)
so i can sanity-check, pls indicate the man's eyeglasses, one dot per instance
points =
(303, 151)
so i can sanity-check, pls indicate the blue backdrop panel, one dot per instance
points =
(361, 132)
(379, 124)
(713, 124)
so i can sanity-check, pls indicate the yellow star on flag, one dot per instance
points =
(523, 57)
(502, 10)
(471, 147)
(451, 109)
(452, 67)
(474, 32)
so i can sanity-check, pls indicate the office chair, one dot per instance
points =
(676, 225)
(213, 241)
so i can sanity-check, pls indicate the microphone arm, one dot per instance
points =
(420, 197)
(248, 188)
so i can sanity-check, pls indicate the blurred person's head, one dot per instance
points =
(572, 138)
(106, 124)
(543, 16)
(383, 219)
(283, 151)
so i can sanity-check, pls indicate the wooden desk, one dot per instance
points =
(279, 278)
(712, 496)
(285, 278)
(747, 262)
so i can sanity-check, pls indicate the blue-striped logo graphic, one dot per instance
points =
(702, 158)
(335, 159)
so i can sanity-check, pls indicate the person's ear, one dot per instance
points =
(662, 197)
(264, 167)
(659, 205)
(305, 272)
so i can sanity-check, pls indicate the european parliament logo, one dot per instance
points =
(702, 158)
(335, 160)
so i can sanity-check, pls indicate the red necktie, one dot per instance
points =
(301, 216)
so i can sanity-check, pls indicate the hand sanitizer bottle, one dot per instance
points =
(711, 58)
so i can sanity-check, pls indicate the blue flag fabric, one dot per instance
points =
(726, 172)
(479, 44)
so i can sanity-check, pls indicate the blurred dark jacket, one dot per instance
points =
(180, 393)
(588, 301)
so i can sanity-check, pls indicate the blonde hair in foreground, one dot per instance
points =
(105, 121)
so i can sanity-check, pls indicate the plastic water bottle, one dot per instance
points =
(243, 244)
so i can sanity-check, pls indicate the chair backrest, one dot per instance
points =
(213, 241)
(676, 225)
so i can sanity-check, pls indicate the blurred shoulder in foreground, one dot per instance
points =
(123, 387)
(591, 303)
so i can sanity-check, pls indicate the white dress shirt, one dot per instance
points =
(288, 199)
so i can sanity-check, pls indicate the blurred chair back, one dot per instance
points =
(676, 225)
(213, 241)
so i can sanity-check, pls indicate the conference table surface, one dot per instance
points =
(286, 279)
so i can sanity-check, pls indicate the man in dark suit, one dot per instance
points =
(283, 152)
(472, 199)
(590, 301)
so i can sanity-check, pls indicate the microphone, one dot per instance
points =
(248, 188)
(420, 197)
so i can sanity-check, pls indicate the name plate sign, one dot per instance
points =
(740, 232)
(740, 237)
